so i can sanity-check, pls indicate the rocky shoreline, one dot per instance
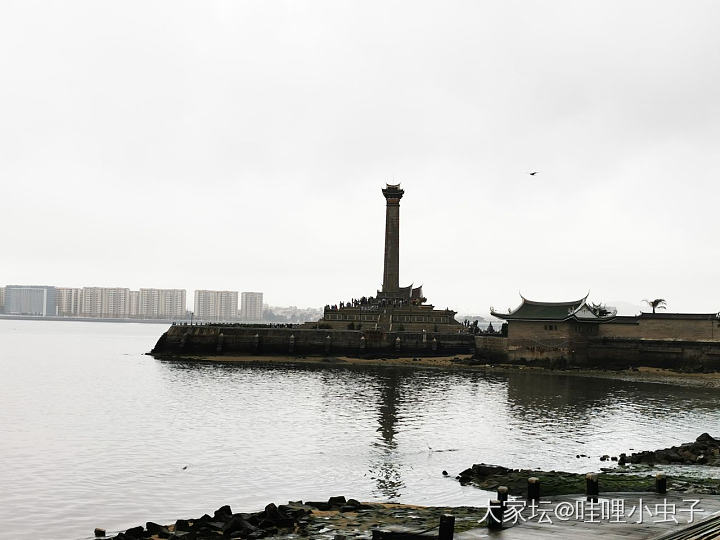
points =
(335, 519)
(553, 483)
(705, 450)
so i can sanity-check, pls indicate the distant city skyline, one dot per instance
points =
(145, 303)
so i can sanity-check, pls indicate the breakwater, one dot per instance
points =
(602, 353)
(228, 339)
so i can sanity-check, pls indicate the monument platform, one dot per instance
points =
(222, 339)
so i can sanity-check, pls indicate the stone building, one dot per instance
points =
(394, 308)
(578, 332)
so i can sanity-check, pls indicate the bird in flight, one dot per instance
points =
(533, 173)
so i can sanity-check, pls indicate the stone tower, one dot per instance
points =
(391, 274)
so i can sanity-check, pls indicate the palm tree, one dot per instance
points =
(658, 303)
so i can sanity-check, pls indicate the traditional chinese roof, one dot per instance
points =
(532, 310)
(405, 293)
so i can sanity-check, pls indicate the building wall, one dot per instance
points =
(161, 303)
(216, 305)
(251, 306)
(675, 341)
(643, 328)
(685, 329)
(2, 299)
(107, 302)
(406, 318)
(30, 300)
(134, 304)
(539, 333)
(619, 330)
(69, 301)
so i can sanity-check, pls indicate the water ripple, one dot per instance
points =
(94, 433)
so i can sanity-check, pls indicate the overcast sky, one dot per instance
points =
(243, 145)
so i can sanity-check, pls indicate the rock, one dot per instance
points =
(223, 513)
(135, 532)
(320, 505)
(99, 532)
(688, 453)
(238, 524)
(705, 438)
(272, 516)
(444, 473)
(182, 525)
(354, 503)
(213, 526)
(336, 501)
(614, 458)
(184, 535)
(159, 530)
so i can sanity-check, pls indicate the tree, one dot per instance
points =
(658, 303)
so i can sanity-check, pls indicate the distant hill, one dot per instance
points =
(626, 308)
(291, 314)
(471, 318)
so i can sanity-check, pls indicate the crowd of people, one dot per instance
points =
(372, 301)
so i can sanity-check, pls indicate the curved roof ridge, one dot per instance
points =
(535, 310)
(580, 301)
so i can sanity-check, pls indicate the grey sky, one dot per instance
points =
(243, 145)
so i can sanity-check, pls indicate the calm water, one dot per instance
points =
(94, 433)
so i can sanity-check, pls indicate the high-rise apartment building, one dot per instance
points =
(161, 304)
(69, 301)
(134, 305)
(30, 300)
(216, 305)
(251, 306)
(110, 302)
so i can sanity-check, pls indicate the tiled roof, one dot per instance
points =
(543, 311)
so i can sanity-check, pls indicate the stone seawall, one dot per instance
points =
(219, 339)
(658, 353)
(604, 353)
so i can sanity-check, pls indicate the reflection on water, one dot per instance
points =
(384, 468)
(95, 433)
